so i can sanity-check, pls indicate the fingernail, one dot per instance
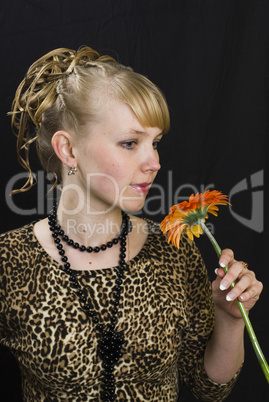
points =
(223, 263)
(230, 296)
(216, 271)
(224, 285)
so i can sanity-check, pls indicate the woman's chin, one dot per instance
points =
(132, 206)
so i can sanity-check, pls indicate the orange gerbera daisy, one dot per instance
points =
(189, 215)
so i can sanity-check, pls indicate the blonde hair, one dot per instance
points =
(63, 90)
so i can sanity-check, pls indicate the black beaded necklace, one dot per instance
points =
(110, 341)
(89, 249)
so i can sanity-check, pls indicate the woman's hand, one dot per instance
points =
(247, 288)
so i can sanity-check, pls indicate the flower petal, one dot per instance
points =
(197, 230)
(186, 215)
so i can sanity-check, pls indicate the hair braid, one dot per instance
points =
(38, 92)
(68, 90)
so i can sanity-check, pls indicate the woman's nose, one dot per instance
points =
(151, 162)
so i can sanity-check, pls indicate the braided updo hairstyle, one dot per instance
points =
(65, 90)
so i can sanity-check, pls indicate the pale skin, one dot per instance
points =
(121, 157)
(225, 351)
(112, 161)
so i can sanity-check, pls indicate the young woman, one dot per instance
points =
(94, 302)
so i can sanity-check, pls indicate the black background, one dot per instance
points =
(210, 57)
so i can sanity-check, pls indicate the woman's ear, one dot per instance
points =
(61, 143)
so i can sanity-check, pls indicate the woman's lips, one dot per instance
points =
(141, 187)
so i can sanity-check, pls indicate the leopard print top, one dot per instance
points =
(166, 313)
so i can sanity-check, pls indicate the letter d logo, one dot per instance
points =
(257, 210)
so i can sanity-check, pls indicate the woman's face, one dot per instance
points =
(117, 161)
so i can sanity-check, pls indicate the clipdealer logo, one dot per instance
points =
(252, 187)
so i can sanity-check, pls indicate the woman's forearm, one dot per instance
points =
(225, 351)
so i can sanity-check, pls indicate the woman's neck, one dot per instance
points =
(90, 228)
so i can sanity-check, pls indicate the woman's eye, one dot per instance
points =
(155, 144)
(129, 144)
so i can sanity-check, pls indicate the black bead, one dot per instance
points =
(96, 249)
(76, 245)
(105, 365)
(89, 249)
(103, 247)
(82, 248)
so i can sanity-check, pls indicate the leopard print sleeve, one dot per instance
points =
(199, 329)
(14, 257)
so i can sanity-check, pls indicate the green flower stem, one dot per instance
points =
(253, 338)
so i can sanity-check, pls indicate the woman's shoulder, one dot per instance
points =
(16, 240)
(19, 232)
(156, 239)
